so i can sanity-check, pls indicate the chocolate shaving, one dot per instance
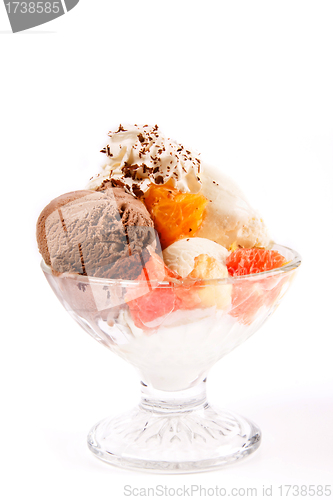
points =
(159, 179)
(137, 191)
(107, 183)
(121, 129)
(117, 183)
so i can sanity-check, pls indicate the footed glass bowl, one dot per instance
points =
(173, 333)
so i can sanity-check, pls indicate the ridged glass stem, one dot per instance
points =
(172, 402)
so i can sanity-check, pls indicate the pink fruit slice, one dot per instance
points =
(153, 301)
(253, 260)
(248, 296)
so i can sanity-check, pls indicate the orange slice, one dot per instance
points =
(176, 215)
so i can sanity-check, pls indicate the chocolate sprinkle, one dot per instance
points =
(121, 129)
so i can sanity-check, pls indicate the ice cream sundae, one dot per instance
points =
(162, 259)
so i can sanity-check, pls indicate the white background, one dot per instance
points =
(250, 85)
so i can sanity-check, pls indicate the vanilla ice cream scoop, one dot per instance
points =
(138, 156)
(180, 256)
(229, 218)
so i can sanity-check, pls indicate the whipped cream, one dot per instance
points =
(138, 156)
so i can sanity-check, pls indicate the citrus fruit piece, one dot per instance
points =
(150, 309)
(150, 301)
(248, 296)
(175, 214)
(253, 260)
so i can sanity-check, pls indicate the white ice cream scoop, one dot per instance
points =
(180, 256)
(229, 218)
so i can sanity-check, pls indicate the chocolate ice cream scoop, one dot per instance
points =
(96, 233)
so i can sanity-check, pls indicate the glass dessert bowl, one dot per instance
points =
(173, 333)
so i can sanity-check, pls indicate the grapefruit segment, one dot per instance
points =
(150, 301)
(248, 295)
(253, 260)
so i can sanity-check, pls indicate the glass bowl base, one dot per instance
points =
(195, 440)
